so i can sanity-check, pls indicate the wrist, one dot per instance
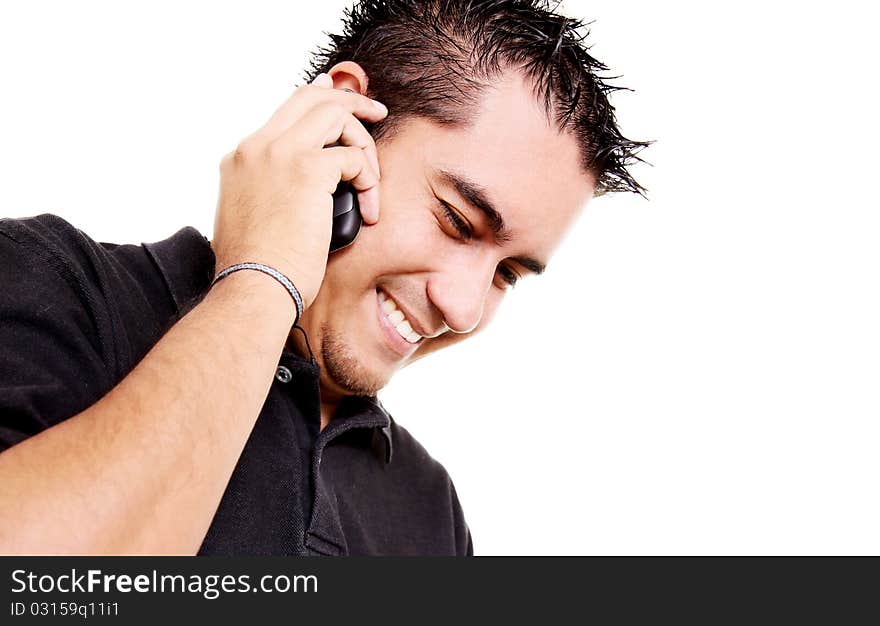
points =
(273, 273)
(256, 287)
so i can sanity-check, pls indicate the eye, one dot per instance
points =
(508, 275)
(455, 220)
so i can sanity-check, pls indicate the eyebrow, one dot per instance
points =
(475, 195)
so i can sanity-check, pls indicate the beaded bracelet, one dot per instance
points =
(271, 271)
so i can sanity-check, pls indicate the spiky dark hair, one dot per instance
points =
(434, 58)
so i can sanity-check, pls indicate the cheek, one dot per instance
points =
(395, 244)
(406, 236)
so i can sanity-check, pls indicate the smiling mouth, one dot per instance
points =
(397, 319)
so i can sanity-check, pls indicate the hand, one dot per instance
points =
(276, 205)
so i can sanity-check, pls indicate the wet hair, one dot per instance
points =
(434, 58)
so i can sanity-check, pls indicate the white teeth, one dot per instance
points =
(397, 319)
(406, 331)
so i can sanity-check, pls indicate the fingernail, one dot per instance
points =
(381, 107)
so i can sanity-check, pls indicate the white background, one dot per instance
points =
(695, 374)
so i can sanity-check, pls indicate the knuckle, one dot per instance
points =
(357, 130)
(308, 89)
(302, 166)
(361, 164)
(274, 152)
(353, 156)
(244, 152)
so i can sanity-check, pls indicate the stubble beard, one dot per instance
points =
(344, 368)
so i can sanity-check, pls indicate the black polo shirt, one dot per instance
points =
(77, 315)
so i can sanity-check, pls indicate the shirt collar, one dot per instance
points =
(359, 409)
(382, 434)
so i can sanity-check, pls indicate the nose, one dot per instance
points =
(460, 293)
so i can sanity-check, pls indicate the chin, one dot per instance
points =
(346, 370)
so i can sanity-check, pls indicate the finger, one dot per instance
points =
(325, 125)
(353, 166)
(309, 96)
(323, 80)
(354, 134)
(369, 203)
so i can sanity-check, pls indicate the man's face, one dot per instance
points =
(446, 286)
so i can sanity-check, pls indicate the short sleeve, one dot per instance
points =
(54, 334)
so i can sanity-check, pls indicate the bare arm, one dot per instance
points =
(143, 470)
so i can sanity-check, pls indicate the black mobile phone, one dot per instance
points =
(346, 216)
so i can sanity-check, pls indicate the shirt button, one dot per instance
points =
(283, 375)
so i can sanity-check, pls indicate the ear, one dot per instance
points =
(349, 75)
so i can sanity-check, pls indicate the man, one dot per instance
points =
(147, 408)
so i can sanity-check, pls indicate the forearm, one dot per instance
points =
(143, 470)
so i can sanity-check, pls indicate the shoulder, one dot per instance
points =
(76, 316)
(45, 265)
(58, 350)
(408, 451)
(43, 227)
(430, 479)
(52, 254)
(46, 237)
(121, 287)
(62, 277)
